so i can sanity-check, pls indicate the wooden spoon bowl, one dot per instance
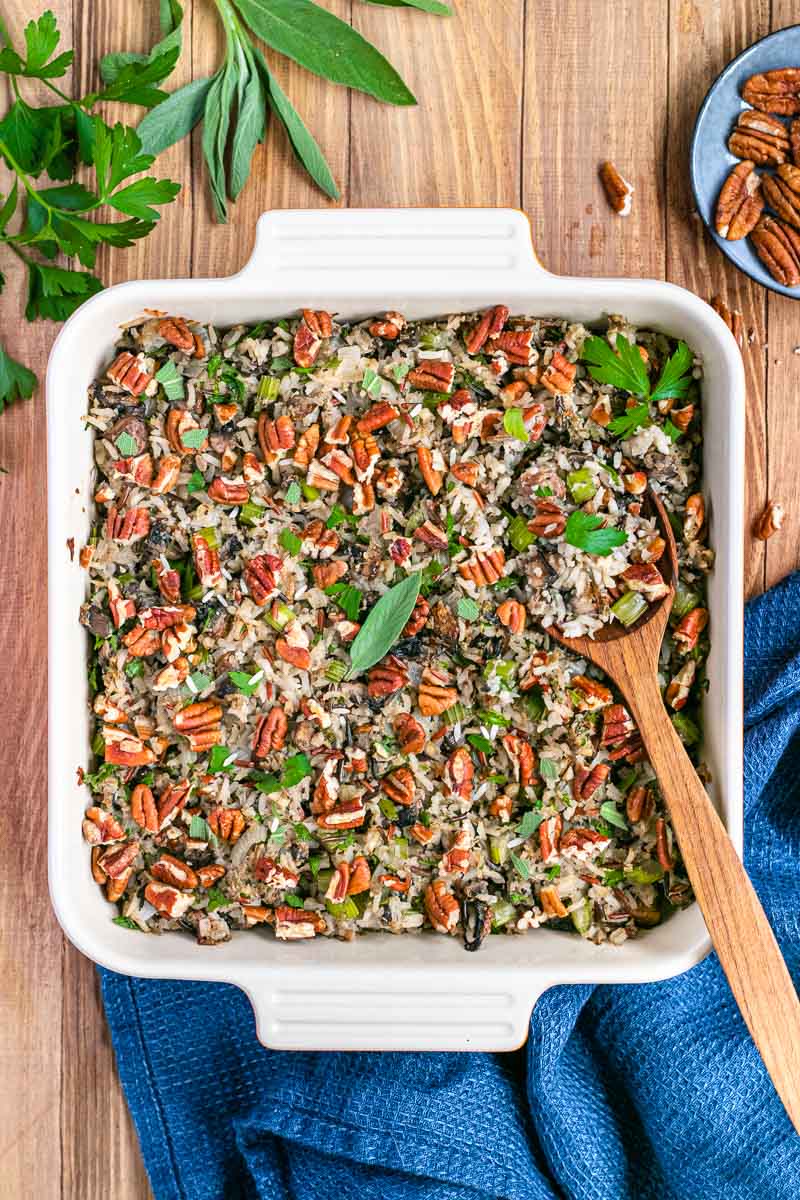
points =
(742, 937)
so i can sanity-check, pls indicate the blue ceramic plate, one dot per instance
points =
(710, 161)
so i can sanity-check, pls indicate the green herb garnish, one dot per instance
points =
(624, 368)
(293, 493)
(217, 899)
(247, 684)
(481, 743)
(384, 623)
(198, 682)
(290, 542)
(514, 424)
(530, 823)
(548, 769)
(610, 813)
(125, 923)
(218, 760)
(171, 381)
(347, 597)
(520, 866)
(585, 531)
(193, 439)
(196, 483)
(467, 609)
(126, 445)
(632, 419)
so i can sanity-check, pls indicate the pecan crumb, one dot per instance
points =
(769, 521)
(619, 192)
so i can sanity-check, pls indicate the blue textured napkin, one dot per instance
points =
(652, 1092)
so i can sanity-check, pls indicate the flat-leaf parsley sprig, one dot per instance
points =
(623, 367)
(38, 220)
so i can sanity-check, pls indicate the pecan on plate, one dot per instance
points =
(313, 327)
(514, 345)
(489, 326)
(732, 318)
(769, 521)
(586, 780)
(759, 137)
(376, 417)
(776, 91)
(435, 695)
(740, 202)
(619, 192)
(441, 907)
(778, 247)
(126, 371)
(782, 193)
(432, 375)
(347, 815)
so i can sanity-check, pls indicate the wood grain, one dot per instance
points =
(519, 102)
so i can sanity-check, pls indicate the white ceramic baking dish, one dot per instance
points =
(381, 992)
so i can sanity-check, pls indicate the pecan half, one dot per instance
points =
(740, 202)
(549, 521)
(169, 581)
(559, 377)
(618, 191)
(523, 757)
(225, 491)
(127, 372)
(270, 732)
(457, 859)
(365, 453)
(591, 695)
(360, 876)
(689, 628)
(550, 836)
(390, 327)
(778, 247)
(587, 780)
(409, 733)
(694, 516)
(441, 907)
(341, 464)
(620, 735)
(313, 327)
(552, 905)
(101, 827)
(782, 193)
(259, 575)
(515, 345)
(484, 569)
(435, 696)
(141, 643)
(512, 614)
(663, 853)
(168, 901)
(639, 804)
(293, 924)
(172, 801)
(647, 579)
(329, 572)
(322, 477)
(489, 326)
(432, 535)
(433, 479)
(680, 685)
(200, 723)
(169, 468)
(776, 91)
(459, 773)
(377, 417)
(297, 656)
(227, 824)
(732, 318)
(387, 677)
(206, 561)
(466, 472)
(769, 521)
(178, 874)
(175, 331)
(130, 526)
(276, 436)
(307, 446)
(759, 137)
(347, 815)
(117, 861)
(432, 375)
(399, 786)
(418, 618)
(143, 808)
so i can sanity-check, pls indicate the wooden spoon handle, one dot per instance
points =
(742, 937)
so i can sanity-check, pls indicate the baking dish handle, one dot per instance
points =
(399, 1015)
(481, 246)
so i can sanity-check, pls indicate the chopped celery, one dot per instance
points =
(335, 671)
(582, 917)
(323, 879)
(268, 388)
(346, 911)
(209, 535)
(400, 844)
(581, 485)
(519, 535)
(687, 730)
(685, 600)
(502, 913)
(498, 849)
(457, 712)
(279, 615)
(488, 716)
(503, 668)
(310, 493)
(648, 871)
(250, 513)
(388, 808)
(629, 607)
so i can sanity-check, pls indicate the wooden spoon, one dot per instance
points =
(742, 937)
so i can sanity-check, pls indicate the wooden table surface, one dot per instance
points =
(519, 100)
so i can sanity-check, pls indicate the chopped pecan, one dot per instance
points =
(647, 579)
(225, 491)
(178, 423)
(635, 482)
(776, 91)
(579, 840)
(293, 924)
(457, 859)
(270, 732)
(257, 914)
(512, 614)
(200, 723)
(143, 808)
(341, 464)
(347, 815)
(399, 786)
(740, 202)
(591, 694)
(101, 827)
(206, 561)
(639, 804)
(169, 468)
(759, 137)
(130, 526)
(127, 372)
(444, 621)
(418, 619)
(165, 616)
(252, 470)
(172, 801)
(732, 318)
(620, 735)
(139, 469)
(390, 327)
(297, 656)
(122, 609)
(117, 861)
(208, 876)
(399, 550)
(313, 327)
(277, 436)
(586, 781)
(678, 689)
(618, 191)
(515, 345)
(365, 453)
(322, 477)
(682, 417)
(663, 853)
(409, 733)
(782, 193)
(441, 907)
(434, 693)
(502, 806)
(421, 833)
(377, 417)
(363, 499)
(307, 446)
(329, 572)
(522, 756)
(171, 676)
(466, 472)
(778, 247)
(689, 628)
(489, 326)
(178, 874)
(324, 542)
(459, 773)
(484, 569)
(433, 479)
(228, 824)
(432, 375)
(769, 521)
(559, 376)
(168, 901)
(432, 535)
(168, 580)
(175, 331)
(387, 677)
(141, 643)
(549, 521)
(259, 576)
(551, 902)
(267, 870)
(694, 516)
(338, 887)
(550, 836)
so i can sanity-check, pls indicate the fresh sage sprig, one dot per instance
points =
(234, 104)
(55, 141)
(384, 623)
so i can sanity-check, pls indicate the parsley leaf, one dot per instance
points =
(16, 381)
(676, 375)
(530, 823)
(622, 366)
(467, 609)
(584, 531)
(290, 542)
(631, 420)
(347, 597)
(55, 292)
(514, 424)
(521, 866)
(246, 683)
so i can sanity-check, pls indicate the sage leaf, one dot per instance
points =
(176, 117)
(302, 140)
(216, 123)
(325, 45)
(171, 19)
(429, 6)
(384, 623)
(250, 127)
